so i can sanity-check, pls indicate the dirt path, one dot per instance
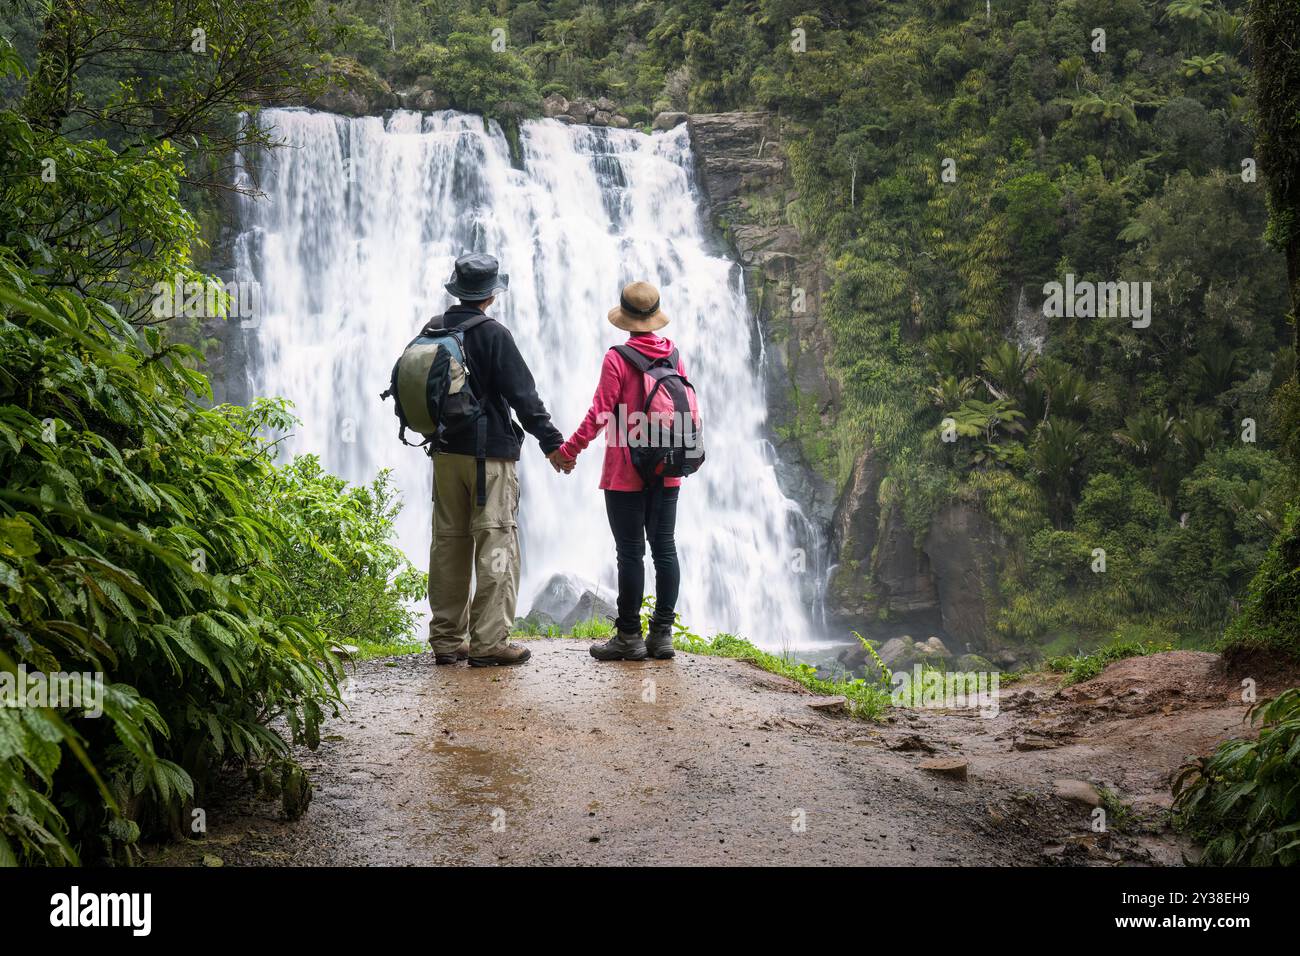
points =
(710, 761)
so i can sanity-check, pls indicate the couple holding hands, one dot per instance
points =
(476, 486)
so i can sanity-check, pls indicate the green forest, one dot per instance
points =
(951, 160)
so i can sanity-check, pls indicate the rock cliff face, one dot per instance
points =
(886, 580)
(745, 176)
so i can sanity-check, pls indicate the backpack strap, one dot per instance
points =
(472, 323)
(633, 358)
(438, 324)
(480, 426)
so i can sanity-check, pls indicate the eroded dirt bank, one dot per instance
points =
(709, 761)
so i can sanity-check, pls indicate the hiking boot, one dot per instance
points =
(659, 643)
(620, 647)
(451, 657)
(510, 654)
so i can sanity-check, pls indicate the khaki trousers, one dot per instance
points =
(478, 542)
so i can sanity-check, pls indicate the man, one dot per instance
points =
(468, 537)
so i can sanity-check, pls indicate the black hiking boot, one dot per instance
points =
(620, 647)
(659, 642)
(451, 657)
(508, 655)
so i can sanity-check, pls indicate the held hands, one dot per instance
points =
(560, 463)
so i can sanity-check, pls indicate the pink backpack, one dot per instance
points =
(671, 443)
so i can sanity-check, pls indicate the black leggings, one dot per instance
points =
(629, 518)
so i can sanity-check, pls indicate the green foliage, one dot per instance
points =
(868, 701)
(1270, 618)
(136, 544)
(343, 572)
(1081, 667)
(146, 538)
(1242, 800)
(464, 67)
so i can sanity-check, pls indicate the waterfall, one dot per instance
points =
(360, 222)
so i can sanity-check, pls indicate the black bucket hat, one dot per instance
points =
(477, 277)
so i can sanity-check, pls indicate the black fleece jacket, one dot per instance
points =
(500, 380)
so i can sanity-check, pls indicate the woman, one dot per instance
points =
(636, 513)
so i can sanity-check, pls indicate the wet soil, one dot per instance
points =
(709, 761)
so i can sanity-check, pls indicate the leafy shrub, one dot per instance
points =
(1244, 799)
(1081, 667)
(869, 701)
(1271, 615)
(342, 571)
(134, 543)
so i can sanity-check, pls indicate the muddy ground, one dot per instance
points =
(709, 761)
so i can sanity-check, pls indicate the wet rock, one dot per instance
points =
(353, 90)
(912, 743)
(1034, 742)
(896, 651)
(668, 120)
(558, 597)
(424, 100)
(954, 768)
(744, 176)
(1078, 791)
(555, 105)
(974, 663)
(829, 705)
(590, 607)
(581, 110)
(932, 648)
(1030, 323)
(963, 548)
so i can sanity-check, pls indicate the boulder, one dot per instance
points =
(619, 121)
(897, 652)
(601, 118)
(964, 549)
(954, 768)
(558, 596)
(829, 705)
(555, 105)
(606, 105)
(591, 606)
(424, 100)
(581, 110)
(669, 120)
(1078, 791)
(973, 663)
(931, 649)
(354, 90)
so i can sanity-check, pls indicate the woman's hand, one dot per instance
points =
(561, 463)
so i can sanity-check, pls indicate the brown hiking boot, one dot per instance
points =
(451, 657)
(510, 654)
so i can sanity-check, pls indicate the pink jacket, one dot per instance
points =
(620, 384)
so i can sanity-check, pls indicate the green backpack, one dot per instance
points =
(431, 391)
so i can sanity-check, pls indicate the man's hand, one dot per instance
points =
(560, 463)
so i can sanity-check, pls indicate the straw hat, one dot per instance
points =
(638, 309)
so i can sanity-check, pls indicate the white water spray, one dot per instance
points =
(358, 229)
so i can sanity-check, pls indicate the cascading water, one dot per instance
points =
(358, 228)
